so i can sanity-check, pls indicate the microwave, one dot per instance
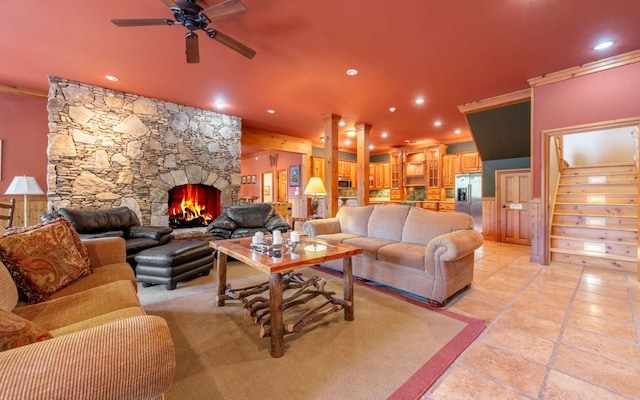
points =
(344, 182)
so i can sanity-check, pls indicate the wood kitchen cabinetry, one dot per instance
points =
(450, 167)
(317, 167)
(395, 170)
(470, 162)
(379, 176)
(414, 168)
(434, 171)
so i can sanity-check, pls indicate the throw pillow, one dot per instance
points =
(16, 331)
(44, 258)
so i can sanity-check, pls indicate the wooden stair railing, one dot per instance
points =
(595, 217)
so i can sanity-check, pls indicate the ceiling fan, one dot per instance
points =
(193, 17)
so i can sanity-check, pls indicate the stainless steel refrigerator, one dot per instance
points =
(469, 196)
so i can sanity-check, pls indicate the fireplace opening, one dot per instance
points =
(192, 206)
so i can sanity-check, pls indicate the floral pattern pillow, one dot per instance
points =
(44, 258)
(16, 331)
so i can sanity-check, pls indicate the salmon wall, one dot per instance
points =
(23, 131)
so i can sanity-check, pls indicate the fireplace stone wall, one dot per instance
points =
(108, 148)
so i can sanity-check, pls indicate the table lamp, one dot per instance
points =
(315, 188)
(24, 185)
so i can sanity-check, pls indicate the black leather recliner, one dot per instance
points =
(244, 220)
(120, 222)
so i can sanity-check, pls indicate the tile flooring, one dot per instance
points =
(553, 332)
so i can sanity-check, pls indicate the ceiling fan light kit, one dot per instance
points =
(193, 17)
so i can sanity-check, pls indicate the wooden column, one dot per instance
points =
(330, 122)
(362, 144)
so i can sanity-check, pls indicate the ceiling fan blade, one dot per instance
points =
(193, 54)
(224, 10)
(142, 22)
(170, 3)
(231, 43)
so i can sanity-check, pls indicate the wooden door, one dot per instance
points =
(282, 185)
(513, 195)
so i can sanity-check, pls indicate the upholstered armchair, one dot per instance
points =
(244, 220)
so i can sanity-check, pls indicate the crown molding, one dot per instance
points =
(586, 69)
(497, 101)
(23, 91)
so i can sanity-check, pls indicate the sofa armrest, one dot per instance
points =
(454, 245)
(133, 358)
(315, 227)
(149, 232)
(222, 222)
(105, 251)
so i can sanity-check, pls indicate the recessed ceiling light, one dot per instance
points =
(341, 123)
(351, 132)
(457, 131)
(392, 109)
(603, 45)
(419, 100)
(271, 111)
(112, 78)
(370, 147)
(218, 104)
(347, 142)
(437, 123)
(384, 134)
(352, 72)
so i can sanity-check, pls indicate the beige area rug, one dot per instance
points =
(395, 348)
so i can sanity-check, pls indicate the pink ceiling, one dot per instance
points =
(448, 52)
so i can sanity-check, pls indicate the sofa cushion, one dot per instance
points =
(149, 232)
(44, 258)
(16, 331)
(368, 245)
(138, 244)
(337, 237)
(98, 277)
(354, 219)
(423, 225)
(406, 254)
(387, 222)
(99, 220)
(57, 313)
(8, 290)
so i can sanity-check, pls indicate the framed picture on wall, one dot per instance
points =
(267, 190)
(294, 175)
(253, 179)
(244, 179)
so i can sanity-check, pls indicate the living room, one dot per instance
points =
(593, 90)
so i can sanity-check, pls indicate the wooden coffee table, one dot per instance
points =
(276, 268)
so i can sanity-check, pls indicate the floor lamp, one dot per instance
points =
(24, 185)
(315, 188)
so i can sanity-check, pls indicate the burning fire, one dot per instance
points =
(190, 209)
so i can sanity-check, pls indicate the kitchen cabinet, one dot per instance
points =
(414, 168)
(353, 173)
(395, 178)
(434, 167)
(470, 162)
(450, 167)
(344, 169)
(317, 167)
(379, 176)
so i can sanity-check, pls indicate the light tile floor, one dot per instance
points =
(553, 332)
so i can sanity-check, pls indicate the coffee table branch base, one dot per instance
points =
(307, 289)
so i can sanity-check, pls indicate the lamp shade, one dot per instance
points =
(315, 187)
(24, 185)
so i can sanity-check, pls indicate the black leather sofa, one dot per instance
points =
(244, 220)
(121, 222)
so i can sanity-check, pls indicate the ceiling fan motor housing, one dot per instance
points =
(189, 15)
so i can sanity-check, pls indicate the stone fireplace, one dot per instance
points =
(108, 149)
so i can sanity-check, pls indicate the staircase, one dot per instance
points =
(595, 217)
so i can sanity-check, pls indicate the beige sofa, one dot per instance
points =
(102, 343)
(423, 252)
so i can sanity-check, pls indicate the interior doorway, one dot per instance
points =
(267, 187)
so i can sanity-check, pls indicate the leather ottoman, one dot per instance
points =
(173, 262)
